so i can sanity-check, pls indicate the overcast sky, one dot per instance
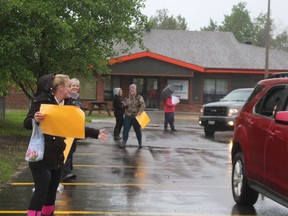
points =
(198, 12)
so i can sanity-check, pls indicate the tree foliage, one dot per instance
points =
(260, 30)
(246, 30)
(211, 27)
(239, 22)
(63, 36)
(163, 21)
(281, 41)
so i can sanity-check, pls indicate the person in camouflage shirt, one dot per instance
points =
(134, 104)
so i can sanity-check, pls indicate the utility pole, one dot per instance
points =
(267, 42)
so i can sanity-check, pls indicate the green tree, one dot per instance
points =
(281, 41)
(67, 36)
(239, 22)
(211, 27)
(260, 30)
(163, 21)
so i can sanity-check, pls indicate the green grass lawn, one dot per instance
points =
(14, 139)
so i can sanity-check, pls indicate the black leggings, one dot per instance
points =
(169, 119)
(119, 124)
(46, 183)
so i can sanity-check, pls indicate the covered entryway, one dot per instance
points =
(148, 87)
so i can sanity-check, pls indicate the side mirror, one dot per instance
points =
(281, 117)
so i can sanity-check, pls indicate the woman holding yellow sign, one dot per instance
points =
(134, 105)
(53, 90)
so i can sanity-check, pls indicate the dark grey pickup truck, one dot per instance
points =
(220, 115)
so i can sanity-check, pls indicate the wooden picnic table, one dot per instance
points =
(98, 105)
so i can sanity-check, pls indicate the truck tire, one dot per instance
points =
(209, 132)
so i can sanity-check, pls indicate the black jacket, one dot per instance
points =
(54, 145)
(118, 105)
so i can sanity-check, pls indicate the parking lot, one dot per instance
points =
(180, 173)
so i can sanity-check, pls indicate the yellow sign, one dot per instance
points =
(143, 119)
(68, 141)
(65, 121)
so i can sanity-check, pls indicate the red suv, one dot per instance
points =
(260, 144)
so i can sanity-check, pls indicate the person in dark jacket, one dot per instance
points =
(51, 89)
(68, 166)
(118, 112)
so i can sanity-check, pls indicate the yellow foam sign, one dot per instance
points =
(68, 141)
(65, 121)
(143, 119)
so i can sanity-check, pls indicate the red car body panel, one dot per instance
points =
(264, 143)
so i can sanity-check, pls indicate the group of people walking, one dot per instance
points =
(59, 89)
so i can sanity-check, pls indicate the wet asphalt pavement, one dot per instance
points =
(180, 173)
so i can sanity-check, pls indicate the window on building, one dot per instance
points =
(152, 93)
(214, 89)
(139, 82)
(109, 84)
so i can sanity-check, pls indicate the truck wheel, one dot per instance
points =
(209, 133)
(242, 193)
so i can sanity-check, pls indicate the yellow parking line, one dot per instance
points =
(5, 212)
(112, 166)
(133, 167)
(101, 184)
(186, 117)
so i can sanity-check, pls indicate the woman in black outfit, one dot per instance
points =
(51, 89)
(118, 112)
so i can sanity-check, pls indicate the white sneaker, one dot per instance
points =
(60, 188)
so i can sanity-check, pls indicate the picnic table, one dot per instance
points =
(98, 105)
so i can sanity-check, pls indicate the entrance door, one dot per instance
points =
(152, 94)
(148, 88)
